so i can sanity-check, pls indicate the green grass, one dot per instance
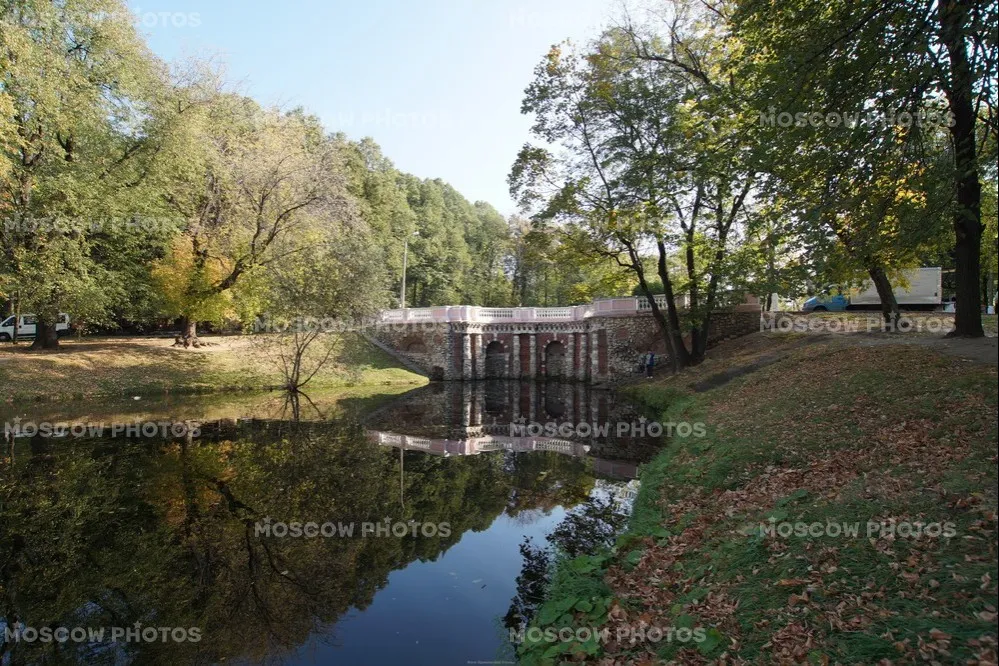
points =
(924, 323)
(108, 367)
(829, 434)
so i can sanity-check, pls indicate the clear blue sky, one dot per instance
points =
(437, 83)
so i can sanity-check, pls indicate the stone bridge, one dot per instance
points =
(591, 343)
(614, 469)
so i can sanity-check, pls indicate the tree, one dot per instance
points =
(264, 182)
(80, 96)
(311, 294)
(550, 266)
(860, 185)
(648, 157)
(377, 189)
(990, 244)
(896, 57)
(490, 244)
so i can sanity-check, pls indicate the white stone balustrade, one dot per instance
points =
(485, 315)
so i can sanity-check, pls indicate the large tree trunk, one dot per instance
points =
(675, 332)
(667, 322)
(45, 335)
(988, 293)
(889, 305)
(967, 220)
(699, 336)
(188, 333)
(664, 327)
(657, 314)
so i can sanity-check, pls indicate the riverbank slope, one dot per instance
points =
(747, 532)
(120, 366)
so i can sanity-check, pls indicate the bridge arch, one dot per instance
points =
(555, 401)
(496, 360)
(413, 344)
(555, 360)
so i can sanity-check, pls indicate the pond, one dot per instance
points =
(357, 529)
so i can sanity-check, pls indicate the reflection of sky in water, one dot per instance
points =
(444, 612)
(449, 611)
(427, 612)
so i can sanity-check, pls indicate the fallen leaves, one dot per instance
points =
(892, 428)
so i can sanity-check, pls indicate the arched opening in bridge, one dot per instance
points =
(555, 397)
(496, 398)
(496, 360)
(555, 360)
(413, 345)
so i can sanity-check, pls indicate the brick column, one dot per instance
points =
(480, 356)
(594, 356)
(466, 356)
(532, 371)
(515, 369)
(581, 368)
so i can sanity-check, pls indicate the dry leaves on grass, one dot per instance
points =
(894, 456)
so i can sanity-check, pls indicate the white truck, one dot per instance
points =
(924, 292)
(26, 327)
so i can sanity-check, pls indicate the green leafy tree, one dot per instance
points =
(891, 58)
(82, 110)
(649, 155)
(254, 197)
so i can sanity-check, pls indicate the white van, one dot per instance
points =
(923, 293)
(26, 327)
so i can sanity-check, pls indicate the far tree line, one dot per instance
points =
(136, 193)
(700, 144)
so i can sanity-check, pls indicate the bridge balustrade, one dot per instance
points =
(521, 315)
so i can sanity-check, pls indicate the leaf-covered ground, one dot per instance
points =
(102, 367)
(831, 434)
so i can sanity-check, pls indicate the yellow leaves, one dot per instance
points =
(612, 221)
(185, 286)
(554, 59)
(604, 90)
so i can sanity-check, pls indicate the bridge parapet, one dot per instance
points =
(594, 342)
(606, 307)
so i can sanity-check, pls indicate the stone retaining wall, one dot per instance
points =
(597, 349)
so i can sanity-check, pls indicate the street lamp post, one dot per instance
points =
(405, 259)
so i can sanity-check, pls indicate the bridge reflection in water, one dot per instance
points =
(470, 419)
(129, 530)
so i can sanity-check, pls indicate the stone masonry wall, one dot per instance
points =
(599, 349)
(425, 344)
(628, 338)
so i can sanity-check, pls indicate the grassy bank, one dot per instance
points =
(912, 323)
(828, 435)
(202, 407)
(111, 367)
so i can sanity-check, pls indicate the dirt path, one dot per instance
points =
(724, 377)
(975, 350)
(978, 350)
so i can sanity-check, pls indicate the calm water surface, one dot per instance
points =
(141, 532)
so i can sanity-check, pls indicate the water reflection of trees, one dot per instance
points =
(115, 533)
(589, 528)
